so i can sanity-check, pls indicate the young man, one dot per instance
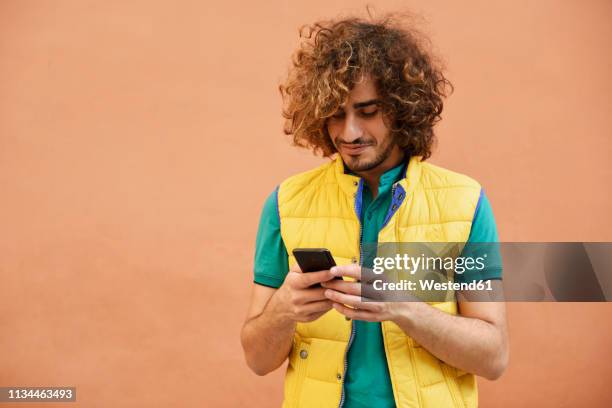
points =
(370, 94)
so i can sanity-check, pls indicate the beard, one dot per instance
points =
(357, 164)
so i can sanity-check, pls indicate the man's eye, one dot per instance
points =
(368, 114)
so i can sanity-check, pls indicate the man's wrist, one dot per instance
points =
(405, 314)
(278, 308)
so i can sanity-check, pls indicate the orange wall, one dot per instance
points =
(139, 139)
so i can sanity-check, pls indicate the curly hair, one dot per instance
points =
(333, 55)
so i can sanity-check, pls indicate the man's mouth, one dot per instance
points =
(354, 149)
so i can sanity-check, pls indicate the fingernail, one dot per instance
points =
(333, 270)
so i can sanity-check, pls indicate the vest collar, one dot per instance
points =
(349, 183)
(413, 175)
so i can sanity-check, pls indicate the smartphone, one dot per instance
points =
(314, 259)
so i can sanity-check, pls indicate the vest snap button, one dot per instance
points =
(355, 183)
(347, 318)
(339, 376)
(303, 354)
(354, 259)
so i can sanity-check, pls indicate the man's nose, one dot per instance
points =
(352, 129)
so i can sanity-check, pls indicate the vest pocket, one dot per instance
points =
(296, 373)
(436, 380)
(429, 369)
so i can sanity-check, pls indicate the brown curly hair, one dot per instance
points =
(335, 54)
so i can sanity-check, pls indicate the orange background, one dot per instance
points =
(138, 141)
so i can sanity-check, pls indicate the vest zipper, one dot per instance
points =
(346, 363)
(348, 346)
(396, 201)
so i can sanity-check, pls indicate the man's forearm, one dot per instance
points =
(470, 344)
(267, 338)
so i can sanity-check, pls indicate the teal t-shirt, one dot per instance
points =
(367, 382)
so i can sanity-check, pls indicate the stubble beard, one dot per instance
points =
(357, 164)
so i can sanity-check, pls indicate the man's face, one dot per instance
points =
(358, 131)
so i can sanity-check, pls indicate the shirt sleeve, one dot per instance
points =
(483, 240)
(271, 262)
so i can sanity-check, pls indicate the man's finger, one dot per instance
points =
(312, 295)
(310, 278)
(355, 314)
(351, 288)
(317, 307)
(352, 271)
(350, 300)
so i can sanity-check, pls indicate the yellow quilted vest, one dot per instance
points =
(317, 210)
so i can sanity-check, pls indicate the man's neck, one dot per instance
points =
(372, 176)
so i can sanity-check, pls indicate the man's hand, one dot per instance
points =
(268, 331)
(344, 294)
(474, 341)
(299, 300)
